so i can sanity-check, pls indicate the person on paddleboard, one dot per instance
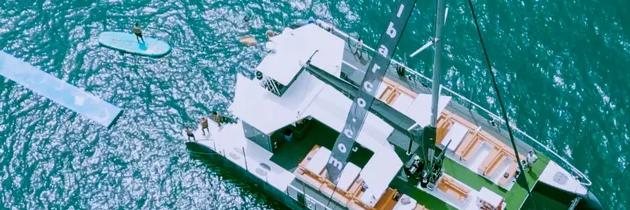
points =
(138, 32)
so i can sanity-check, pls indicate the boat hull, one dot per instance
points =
(546, 196)
(200, 151)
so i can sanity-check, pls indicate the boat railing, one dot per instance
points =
(309, 198)
(270, 84)
(519, 134)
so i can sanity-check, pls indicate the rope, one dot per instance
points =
(498, 93)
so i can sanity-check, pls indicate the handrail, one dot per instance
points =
(307, 195)
(580, 176)
(269, 84)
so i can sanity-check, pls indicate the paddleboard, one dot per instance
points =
(127, 42)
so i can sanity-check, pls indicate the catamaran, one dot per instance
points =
(327, 122)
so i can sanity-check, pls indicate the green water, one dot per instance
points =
(564, 67)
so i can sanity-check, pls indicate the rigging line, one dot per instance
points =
(498, 93)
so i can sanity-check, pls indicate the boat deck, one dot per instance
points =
(353, 65)
(290, 154)
(353, 68)
(514, 198)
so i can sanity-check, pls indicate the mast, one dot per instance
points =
(439, 22)
(429, 175)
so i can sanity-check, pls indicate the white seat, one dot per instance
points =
(481, 154)
(318, 161)
(348, 175)
(490, 197)
(455, 135)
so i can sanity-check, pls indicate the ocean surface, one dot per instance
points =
(563, 66)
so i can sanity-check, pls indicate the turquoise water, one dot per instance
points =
(563, 66)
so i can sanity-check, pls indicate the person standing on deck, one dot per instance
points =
(190, 134)
(204, 125)
(217, 118)
(531, 158)
(138, 32)
(358, 48)
(270, 33)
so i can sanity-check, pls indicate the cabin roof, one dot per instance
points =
(291, 49)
